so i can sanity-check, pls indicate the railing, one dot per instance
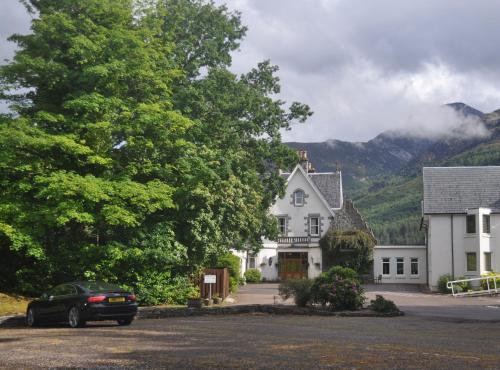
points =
(492, 287)
(294, 239)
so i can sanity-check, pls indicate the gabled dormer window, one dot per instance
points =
(298, 198)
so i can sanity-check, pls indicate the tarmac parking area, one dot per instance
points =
(257, 341)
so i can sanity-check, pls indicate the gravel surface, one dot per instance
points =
(257, 341)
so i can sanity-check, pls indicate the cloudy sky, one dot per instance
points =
(364, 66)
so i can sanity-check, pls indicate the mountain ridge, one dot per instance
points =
(383, 175)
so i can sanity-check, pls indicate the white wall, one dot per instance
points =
(406, 252)
(298, 215)
(440, 245)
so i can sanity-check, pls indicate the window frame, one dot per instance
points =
(386, 261)
(468, 224)
(486, 222)
(302, 197)
(400, 261)
(414, 261)
(467, 254)
(487, 261)
(316, 226)
(285, 225)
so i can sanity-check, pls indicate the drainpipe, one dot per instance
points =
(452, 251)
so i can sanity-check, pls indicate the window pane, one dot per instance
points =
(471, 262)
(299, 198)
(486, 224)
(400, 269)
(251, 262)
(471, 224)
(414, 266)
(385, 266)
(282, 225)
(487, 261)
(314, 225)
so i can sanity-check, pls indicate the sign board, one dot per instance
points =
(210, 279)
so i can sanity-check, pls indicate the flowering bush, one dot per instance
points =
(339, 294)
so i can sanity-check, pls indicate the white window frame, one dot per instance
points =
(467, 217)
(414, 260)
(484, 218)
(467, 261)
(398, 261)
(252, 260)
(485, 261)
(316, 226)
(386, 260)
(285, 222)
(296, 203)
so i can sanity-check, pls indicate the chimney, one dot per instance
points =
(303, 161)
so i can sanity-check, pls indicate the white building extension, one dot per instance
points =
(401, 264)
(461, 213)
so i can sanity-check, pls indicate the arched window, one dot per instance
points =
(298, 198)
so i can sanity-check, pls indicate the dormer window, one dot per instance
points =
(298, 198)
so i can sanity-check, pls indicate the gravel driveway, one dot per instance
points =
(257, 341)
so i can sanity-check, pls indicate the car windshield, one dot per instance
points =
(99, 286)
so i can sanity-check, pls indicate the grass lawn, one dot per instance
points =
(12, 304)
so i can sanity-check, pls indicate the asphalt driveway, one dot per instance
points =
(408, 298)
(257, 342)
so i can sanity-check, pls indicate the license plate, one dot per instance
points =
(117, 299)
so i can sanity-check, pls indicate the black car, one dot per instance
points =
(79, 302)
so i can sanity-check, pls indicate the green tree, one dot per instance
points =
(133, 154)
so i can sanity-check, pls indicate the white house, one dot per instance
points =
(313, 203)
(461, 216)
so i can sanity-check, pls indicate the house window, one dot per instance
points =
(486, 224)
(487, 261)
(386, 267)
(471, 224)
(400, 266)
(282, 225)
(414, 266)
(298, 198)
(314, 225)
(471, 261)
(251, 262)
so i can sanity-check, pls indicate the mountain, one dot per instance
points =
(383, 176)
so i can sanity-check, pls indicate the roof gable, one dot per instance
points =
(327, 184)
(299, 171)
(456, 189)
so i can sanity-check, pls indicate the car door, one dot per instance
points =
(62, 301)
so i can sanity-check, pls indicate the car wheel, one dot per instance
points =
(74, 319)
(31, 317)
(124, 322)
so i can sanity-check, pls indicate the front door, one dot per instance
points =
(292, 265)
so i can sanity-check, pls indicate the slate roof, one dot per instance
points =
(329, 184)
(456, 189)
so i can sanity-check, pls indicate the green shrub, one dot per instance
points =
(484, 284)
(232, 263)
(320, 293)
(340, 294)
(253, 276)
(160, 288)
(299, 289)
(442, 281)
(380, 304)
(458, 288)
